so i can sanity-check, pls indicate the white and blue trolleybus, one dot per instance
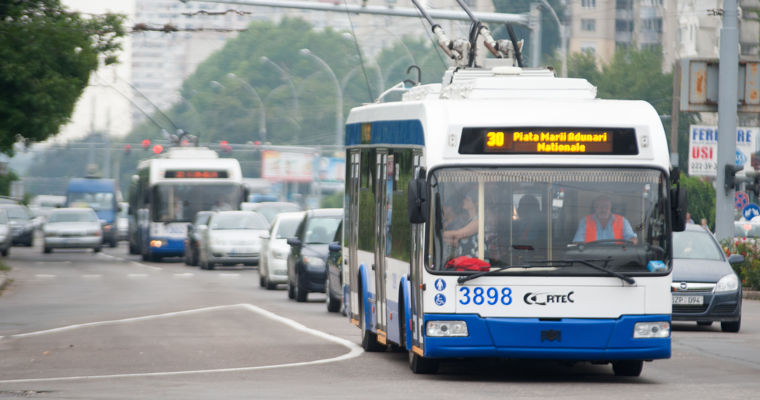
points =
(170, 189)
(509, 213)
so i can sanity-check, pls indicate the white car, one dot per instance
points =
(232, 237)
(5, 234)
(273, 268)
(72, 228)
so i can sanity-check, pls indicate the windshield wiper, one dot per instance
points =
(465, 278)
(589, 263)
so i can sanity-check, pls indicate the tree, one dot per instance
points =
(550, 39)
(700, 197)
(46, 56)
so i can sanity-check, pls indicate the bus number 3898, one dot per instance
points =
(489, 295)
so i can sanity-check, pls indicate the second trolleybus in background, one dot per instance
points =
(509, 213)
(170, 189)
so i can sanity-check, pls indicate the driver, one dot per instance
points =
(603, 224)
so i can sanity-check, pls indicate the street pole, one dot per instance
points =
(727, 81)
(263, 114)
(339, 97)
(535, 37)
(562, 37)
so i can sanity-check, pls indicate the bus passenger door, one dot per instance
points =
(381, 211)
(351, 235)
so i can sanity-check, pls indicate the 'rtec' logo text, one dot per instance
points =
(543, 299)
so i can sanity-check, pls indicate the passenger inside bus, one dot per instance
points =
(602, 224)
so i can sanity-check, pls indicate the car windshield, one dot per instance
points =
(180, 202)
(271, 211)
(82, 216)
(320, 230)
(98, 201)
(239, 220)
(287, 227)
(16, 213)
(746, 229)
(532, 217)
(695, 245)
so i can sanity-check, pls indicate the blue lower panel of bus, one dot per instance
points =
(171, 247)
(567, 339)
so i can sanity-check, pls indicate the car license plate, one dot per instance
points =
(689, 300)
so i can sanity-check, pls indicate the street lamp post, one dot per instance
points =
(339, 94)
(562, 36)
(263, 119)
(285, 76)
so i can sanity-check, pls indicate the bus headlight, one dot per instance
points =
(447, 328)
(645, 330)
(156, 243)
(728, 283)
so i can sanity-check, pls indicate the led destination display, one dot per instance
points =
(195, 173)
(553, 140)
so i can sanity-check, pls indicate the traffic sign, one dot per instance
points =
(752, 210)
(741, 200)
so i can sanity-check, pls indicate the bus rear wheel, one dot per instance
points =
(422, 365)
(627, 367)
(369, 338)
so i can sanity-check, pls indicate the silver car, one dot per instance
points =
(232, 237)
(5, 234)
(273, 268)
(72, 228)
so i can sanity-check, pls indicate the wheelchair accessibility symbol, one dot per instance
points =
(440, 299)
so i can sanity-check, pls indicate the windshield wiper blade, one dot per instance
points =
(470, 277)
(589, 263)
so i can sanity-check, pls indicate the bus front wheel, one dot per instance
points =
(422, 365)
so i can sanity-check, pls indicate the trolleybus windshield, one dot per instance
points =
(549, 221)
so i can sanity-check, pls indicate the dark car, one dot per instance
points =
(334, 282)
(307, 261)
(21, 224)
(705, 287)
(194, 235)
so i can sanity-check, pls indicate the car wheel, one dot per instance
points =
(113, 243)
(262, 280)
(133, 249)
(6, 251)
(301, 292)
(291, 291)
(731, 326)
(627, 367)
(194, 257)
(333, 304)
(269, 284)
(97, 249)
(46, 250)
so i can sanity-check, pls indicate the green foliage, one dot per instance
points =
(230, 110)
(700, 199)
(334, 200)
(47, 56)
(749, 270)
(5, 182)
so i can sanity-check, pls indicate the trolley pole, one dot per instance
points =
(727, 95)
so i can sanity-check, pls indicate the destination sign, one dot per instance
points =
(548, 140)
(195, 174)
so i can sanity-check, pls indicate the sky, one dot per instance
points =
(101, 107)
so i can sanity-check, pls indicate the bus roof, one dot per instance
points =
(81, 185)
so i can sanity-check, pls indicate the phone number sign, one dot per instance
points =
(703, 148)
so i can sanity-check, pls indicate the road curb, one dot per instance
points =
(751, 294)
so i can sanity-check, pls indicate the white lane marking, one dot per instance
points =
(354, 349)
(51, 262)
(229, 275)
(108, 256)
(137, 276)
(184, 275)
(44, 276)
(146, 266)
(92, 276)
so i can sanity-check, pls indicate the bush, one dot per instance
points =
(749, 270)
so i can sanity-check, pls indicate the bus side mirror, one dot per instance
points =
(418, 199)
(678, 208)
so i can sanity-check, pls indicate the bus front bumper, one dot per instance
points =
(558, 339)
(166, 247)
